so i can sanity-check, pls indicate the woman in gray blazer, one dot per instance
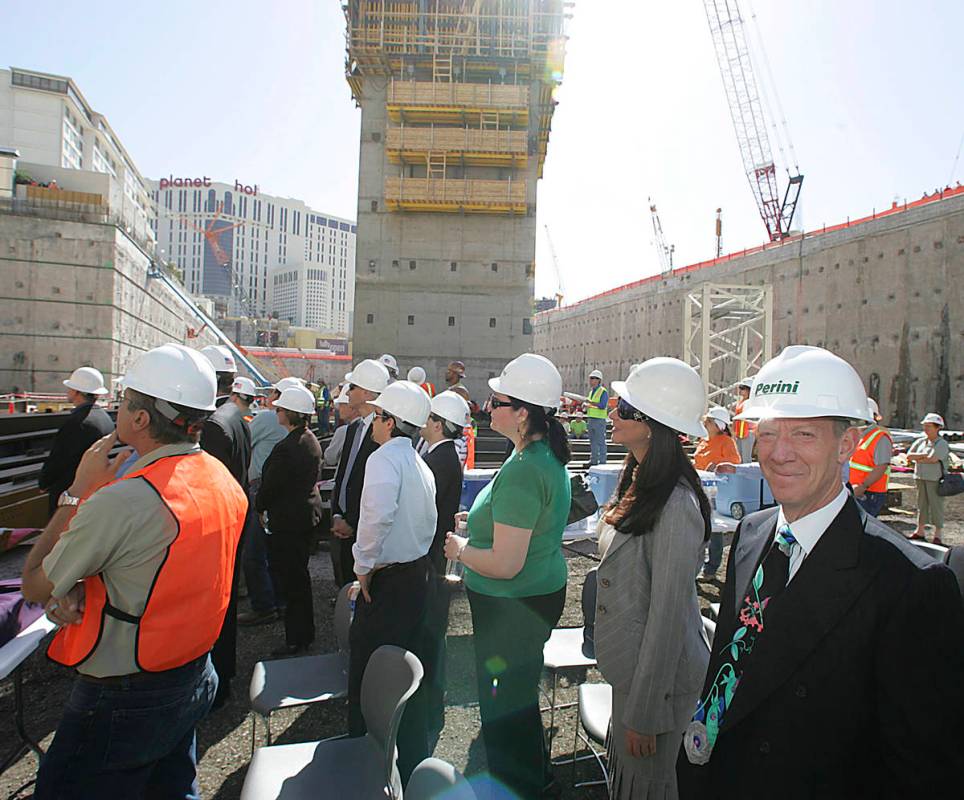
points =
(650, 643)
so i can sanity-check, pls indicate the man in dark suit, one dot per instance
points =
(86, 424)
(226, 436)
(837, 662)
(366, 381)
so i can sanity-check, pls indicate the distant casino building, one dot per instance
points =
(254, 254)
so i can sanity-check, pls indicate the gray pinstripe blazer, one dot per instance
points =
(650, 643)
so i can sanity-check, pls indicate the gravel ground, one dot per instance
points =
(224, 738)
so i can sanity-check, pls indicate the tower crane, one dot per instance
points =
(663, 251)
(749, 120)
(560, 289)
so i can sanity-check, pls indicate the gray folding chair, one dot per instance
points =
(357, 768)
(595, 713)
(714, 611)
(709, 626)
(433, 779)
(291, 682)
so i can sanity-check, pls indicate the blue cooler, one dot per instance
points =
(743, 492)
(473, 482)
(603, 480)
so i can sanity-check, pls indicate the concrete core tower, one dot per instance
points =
(456, 101)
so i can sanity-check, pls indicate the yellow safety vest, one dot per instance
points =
(592, 409)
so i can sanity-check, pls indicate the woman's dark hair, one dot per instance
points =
(449, 429)
(545, 422)
(295, 420)
(644, 489)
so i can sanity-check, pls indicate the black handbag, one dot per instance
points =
(583, 500)
(950, 483)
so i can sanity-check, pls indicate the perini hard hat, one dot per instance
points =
(86, 380)
(805, 383)
(297, 399)
(244, 386)
(220, 358)
(452, 407)
(668, 391)
(416, 375)
(371, 375)
(406, 401)
(933, 418)
(530, 378)
(595, 374)
(174, 373)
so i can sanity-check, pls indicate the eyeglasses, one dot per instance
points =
(627, 412)
(495, 403)
(383, 416)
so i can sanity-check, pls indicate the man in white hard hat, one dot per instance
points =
(869, 468)
(224, 365)
(390, 364)
(743, 429)
(346, 415)
(139, 572)
(243, 392)
(824, 615)
(395, 529)
(365, 382)
(417, 375)
(84, 425)
(597, 411)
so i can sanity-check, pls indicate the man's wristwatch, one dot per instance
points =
(67, 500)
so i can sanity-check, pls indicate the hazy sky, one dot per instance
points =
(872, 91)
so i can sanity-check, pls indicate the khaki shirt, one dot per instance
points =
(122, 533)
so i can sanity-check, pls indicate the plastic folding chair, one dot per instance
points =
(433, 779)
(357, 768)
(292, 682)
(709, 626)
(595, 714)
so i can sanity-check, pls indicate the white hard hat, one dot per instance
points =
(416, 375)
(747, 382)
(407, 401)
(595, 374)
(244, 386)
(669, 391)
(874, 408)
(720, 414)
(530, 378)
(390, 363)
(806, 382)
(342, 397)
(452, 407)
(220, 358)
(86, 380)
(297, 399)
(937, 419)
(174, 373)
(288, 383)
(369, 374)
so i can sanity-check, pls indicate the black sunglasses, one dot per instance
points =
(383, 416)
(627, 412)
(352, 387)
(495, 403)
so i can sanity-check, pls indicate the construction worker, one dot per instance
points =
(85, 425)
(597, 412)
(577, 426)
(454, 374)
(365, 382)
(139, 573)
(718, 447)
(323, 404)
(226, 436)
(743, 429)
(395, 530)
(870, 464)
(824, 614)
(243, 392)
(417, 375)
(390, 364)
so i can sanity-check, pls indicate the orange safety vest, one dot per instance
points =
(469, 446)
(429, 388)
(862, 461)
(191, 590)
(741, 427)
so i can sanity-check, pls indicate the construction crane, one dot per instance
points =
(749, 120)
(663, 250)
(560, 289)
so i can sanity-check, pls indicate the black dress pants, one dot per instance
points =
(288, 563)
(224, 653)
(509, 634)
(342, 560)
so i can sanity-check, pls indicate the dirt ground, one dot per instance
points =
(224, 738)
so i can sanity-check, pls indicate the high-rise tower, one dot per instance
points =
(457, 101)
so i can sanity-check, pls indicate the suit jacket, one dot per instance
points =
(289, 484)
(84, 426)
(856, 687)
(356, 480)
(650, 643)
(226, 436)
(447, 469)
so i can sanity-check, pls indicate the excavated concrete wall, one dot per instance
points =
(886, 295)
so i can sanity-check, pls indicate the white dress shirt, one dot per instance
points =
(808, 530)
(396, 521)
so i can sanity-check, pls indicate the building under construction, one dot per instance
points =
(457, 100)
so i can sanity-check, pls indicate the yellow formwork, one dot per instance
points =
(455, 195)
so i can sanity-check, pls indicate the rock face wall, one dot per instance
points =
(78, 294)
(885, 294)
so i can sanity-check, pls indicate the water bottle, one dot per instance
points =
(453, 568)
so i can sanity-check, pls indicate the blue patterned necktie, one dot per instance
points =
(769, 580)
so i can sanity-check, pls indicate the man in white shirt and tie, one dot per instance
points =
(396, 526)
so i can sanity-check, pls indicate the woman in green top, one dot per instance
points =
(515, 573)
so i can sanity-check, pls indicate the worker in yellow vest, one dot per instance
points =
(744, 432)
(870, 464)
(597, 411)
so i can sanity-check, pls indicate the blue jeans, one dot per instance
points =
(715, 546)
(133, 737)
(597, 440)
(254, 560)
(872, 502)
